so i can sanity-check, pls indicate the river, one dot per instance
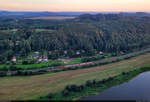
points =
(136, 89)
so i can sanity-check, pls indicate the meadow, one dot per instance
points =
(53, 18)
(32, 87)
(43, 64)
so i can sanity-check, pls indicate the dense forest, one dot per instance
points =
(87, 34)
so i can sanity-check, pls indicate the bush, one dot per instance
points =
(2, 74)
(124, 73)
(50, 95)
(65, 93)
(25, 62)
(89, 83)
(3, 69)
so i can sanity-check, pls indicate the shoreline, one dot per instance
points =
(99, 87)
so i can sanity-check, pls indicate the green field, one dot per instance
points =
(40, 65)
(32, 87)
(44, 64)
(42, 30)
(75, 61)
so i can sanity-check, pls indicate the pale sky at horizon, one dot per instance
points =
(75, 5)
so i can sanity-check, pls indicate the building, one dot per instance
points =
(78, 52)
(14, 30)
(36, 53)
(40, 59)
(14, 59)
(65, 52)
(45, 59)
(121, 52)
(101, 53)
(49, 52)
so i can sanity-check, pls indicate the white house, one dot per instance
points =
(78, 52)
(101, 53)
(65, 52)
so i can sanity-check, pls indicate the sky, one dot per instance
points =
(75, 5)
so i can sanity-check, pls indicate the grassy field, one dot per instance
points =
(40, 65)
(53, 18)
(42, 30)
(75, 61)
(32, 87)
(44, 64)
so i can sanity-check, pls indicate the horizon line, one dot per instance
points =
(65, 11)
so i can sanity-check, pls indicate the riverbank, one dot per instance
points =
(92, 87)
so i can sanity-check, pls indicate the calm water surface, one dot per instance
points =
(136, 89)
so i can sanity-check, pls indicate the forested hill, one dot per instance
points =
(88, 34)
(106, 17)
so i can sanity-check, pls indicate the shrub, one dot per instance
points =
(2, 74)
(89, 83)
(124, 73)
(50, 95)
(65, 93)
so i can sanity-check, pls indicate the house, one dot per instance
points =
(121, 52)
(35, 57)
(45, 59)
(49, 52)
(17, 42)
(82, 51)
(65, 60)
(36, 53)
(40, 59)
(14, 30)
(14, 59)
(101, 53)
(65, 52)
(78, 52)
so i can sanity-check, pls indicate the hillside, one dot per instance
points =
(87, 34)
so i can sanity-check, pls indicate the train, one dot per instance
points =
(75, 65)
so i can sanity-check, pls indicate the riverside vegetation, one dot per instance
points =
(74, 92)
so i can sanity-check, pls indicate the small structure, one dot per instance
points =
(45, 59)
(82, 51)
(49, 52)
(14, 59)
(40, 59)
(101, 53)
(78, 52)
(65, 60)
(17, 42)
(14, 30)
(36, 53)
(121, 52)
(35, 57)
(65, 52)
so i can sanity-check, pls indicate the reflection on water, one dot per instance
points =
(136, 89)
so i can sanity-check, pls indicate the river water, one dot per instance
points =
(136, 89)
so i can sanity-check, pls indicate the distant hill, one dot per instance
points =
(24, 13)
(139, 14)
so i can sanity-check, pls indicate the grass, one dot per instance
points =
(40, 65)
(43, 64)
(76, 61)
(32, 87)
(98, 87)
(42, 30)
